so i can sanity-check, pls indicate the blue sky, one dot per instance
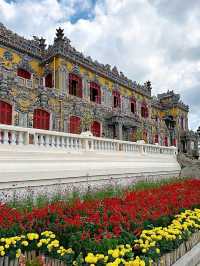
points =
(155, 40)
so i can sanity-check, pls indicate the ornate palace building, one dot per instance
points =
(58, 88)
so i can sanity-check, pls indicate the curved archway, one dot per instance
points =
(41, 119)
(5, 113)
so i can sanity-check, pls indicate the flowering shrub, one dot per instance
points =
(148, 246)
(101, 227)
(45, 242)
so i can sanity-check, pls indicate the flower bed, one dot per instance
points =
(134, 229)
(143, 250)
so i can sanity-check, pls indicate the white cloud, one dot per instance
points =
(146, 39)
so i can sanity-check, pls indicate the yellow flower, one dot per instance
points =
(157, 250)
(2, 253)
(18, 253)
(25, 243)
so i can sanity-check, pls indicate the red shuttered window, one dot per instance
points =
(23, 73)
(75, 85)
(75, 125)
(96, 129)
(95, 92)
(41, 119)
(116, 99)
(49, 81)
(144, 110)
(133, 105)
(5, 113)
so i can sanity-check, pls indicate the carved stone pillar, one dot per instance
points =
(63, 80)
(86, 89)
(119, 131)
(23, 119)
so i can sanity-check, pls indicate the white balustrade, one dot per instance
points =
(11, 135)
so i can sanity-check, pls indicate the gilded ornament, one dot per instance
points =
(24, 104)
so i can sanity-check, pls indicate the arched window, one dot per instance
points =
(23, 73)
(75, 125)
(41, 119)
(116, 99)
(96, 129)
(49, 81)
(144, 110)
(75, 85)
(5, 113)
(133, 105)
(95, 92)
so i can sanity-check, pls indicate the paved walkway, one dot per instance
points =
(191, 258)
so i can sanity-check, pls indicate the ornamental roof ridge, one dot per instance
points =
(13, 40)
(175, 100)
(62, 47)
(36, 47)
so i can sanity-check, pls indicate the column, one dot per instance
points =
(119, 131)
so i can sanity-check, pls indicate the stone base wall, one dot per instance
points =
(68, 187)
(30, 171)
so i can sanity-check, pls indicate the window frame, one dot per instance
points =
(73, 124)
(94, 131)
(6, 113)
(95, 86)
(44, 115)
(79, 89)
(117, 102)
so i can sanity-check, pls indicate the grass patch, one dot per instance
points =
(112, 191)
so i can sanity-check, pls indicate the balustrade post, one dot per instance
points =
(20, 138)
(35, 139)
(13, 138)
(26, 138)
(5, 137)
(87, 140)
(62, 142)
(117, 146)
(47, 141)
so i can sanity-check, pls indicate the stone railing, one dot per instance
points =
(12, 135)
(24, 82)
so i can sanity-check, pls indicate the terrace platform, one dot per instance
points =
(39, 161)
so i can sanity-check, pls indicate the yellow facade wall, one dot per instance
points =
(16, 58)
